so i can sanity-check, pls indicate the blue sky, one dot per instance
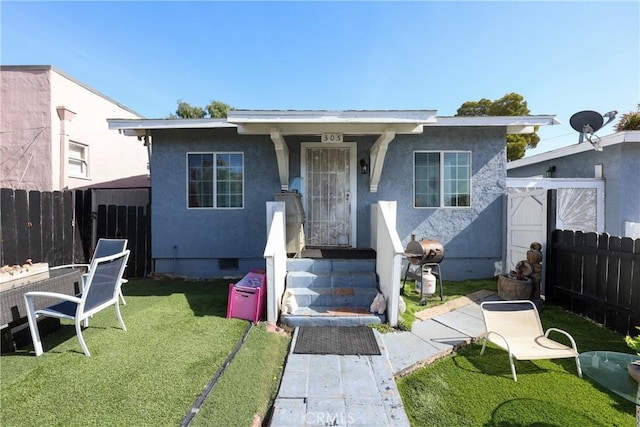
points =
(563, 57)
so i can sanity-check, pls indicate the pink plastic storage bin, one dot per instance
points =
(247, 298)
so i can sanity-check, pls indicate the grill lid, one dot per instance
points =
(424, 251)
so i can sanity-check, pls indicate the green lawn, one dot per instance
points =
(249, 384)
(451, 291)
(177, 339)
(467, 389)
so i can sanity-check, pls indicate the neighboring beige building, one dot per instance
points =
(54, 133)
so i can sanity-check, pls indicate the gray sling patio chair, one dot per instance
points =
(515, 326)
(100, 291)
(104, 247)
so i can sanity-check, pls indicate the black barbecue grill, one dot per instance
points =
(425, 254)
(420, 252)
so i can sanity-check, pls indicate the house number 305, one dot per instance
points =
(331, 137)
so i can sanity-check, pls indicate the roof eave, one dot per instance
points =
(311, 122)
(605, 141)
(168, 123)
(326, 116)
(541, 120)
(513, 124)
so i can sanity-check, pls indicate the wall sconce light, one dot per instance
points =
(364, 167)
(549, 172)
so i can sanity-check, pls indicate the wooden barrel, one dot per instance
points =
(514, 289)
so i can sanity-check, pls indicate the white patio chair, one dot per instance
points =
(104, 247)
(100, 291)
(515, 326)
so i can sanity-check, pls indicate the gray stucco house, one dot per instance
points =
(617, 165)
(214, 180)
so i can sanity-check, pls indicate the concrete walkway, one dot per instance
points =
(331, 390)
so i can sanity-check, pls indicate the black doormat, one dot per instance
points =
(338, 253)
(339, 340)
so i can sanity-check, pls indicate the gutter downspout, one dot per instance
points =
(65, 115)
(147, 143)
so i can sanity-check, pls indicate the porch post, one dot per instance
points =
(282, 156)
(275, 255)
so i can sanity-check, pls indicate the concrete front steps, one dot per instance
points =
(331, 292)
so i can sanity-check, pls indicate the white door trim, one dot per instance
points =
(353, 180)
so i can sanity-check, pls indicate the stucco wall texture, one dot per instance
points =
(620, 164)
(26, 142)
(188, 242)
(30, 142)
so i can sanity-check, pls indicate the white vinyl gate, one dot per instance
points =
(579, 206)
(526, 223)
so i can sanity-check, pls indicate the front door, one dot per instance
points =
(329, 171)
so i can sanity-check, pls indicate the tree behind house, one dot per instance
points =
(512, 104)
(629, 121)
(215, 110)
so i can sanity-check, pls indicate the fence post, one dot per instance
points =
(551, 227)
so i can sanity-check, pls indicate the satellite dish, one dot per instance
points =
(587, 123)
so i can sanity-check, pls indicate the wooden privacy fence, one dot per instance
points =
(132, 223)
(57, 227)
(39, 226)
(596, 275)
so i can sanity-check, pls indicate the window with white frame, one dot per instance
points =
(78, 160)
(215, 180)
(442, 179)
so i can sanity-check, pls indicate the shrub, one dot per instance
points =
(633, 342)
(629, 121)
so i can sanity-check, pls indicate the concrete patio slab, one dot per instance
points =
(439, 335)
(338, 391)
(366, 411)
(462, 322)
(361, 390)
(356, 378)
(455, 304)
(288, 412)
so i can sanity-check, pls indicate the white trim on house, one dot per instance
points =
(311, 122)
(326, 116)
(539, 120)
(514, 124)
(214, 186)
(282, 157)
(139, 127)
(441, 177)
(605, 141)
(376, 157)
(384, 123)
(316, 122)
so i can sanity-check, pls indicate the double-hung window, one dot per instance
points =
(442, 179)
(78, 160)
(216, 180)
